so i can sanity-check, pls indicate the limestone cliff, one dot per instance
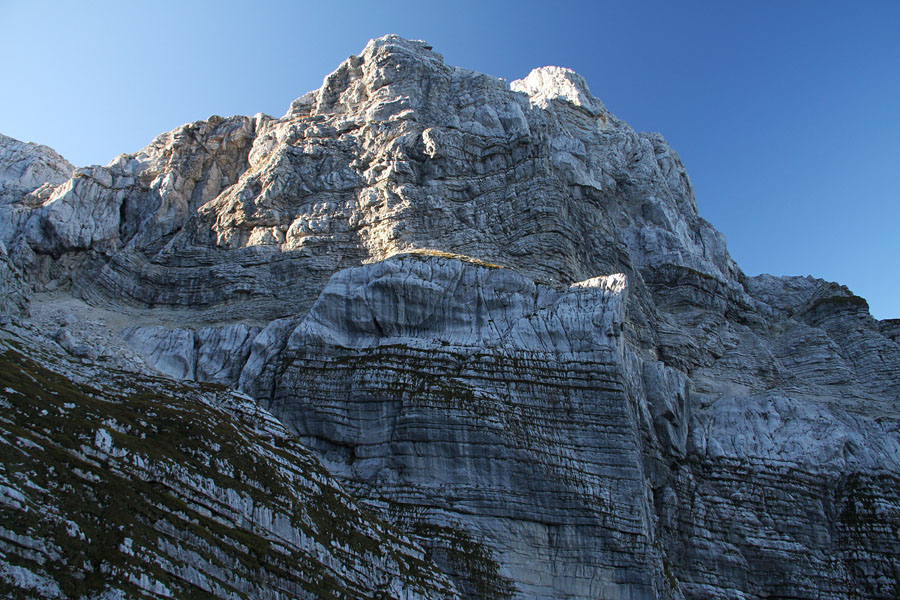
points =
(27, 171)
(493, 312)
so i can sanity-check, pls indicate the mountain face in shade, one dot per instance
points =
(439, 336)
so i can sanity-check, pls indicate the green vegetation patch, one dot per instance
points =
(157, 488)
(450, 255)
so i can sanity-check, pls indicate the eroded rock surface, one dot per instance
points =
(494, 313)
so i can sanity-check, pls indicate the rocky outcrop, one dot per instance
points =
(13, 297)
(396, 152)
(25, 167)
(211, 354)
(494, 313)
(488, 403)
(495, 404)
(27, 172)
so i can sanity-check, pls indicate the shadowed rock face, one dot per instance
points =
(494, 313)
(482, 398)
(129, 486)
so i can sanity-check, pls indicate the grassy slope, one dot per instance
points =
(155, 488)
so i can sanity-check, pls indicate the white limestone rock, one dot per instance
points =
(546, 84)
(796, 431)
(25, 169)
(171, 352)
(13, 295)
(395, 152)
(27, 166)
(451, 302)
(442, 374)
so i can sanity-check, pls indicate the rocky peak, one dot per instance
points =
(396, 152)
(495, 314)
(27, 165)
(388, 67)
(548, 83)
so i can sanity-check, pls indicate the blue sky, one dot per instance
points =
(786, 113)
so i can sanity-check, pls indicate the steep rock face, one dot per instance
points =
(489, 403)
(495, 404)
(493, 311)
(27, 171)
(396, 151)
(13, 298)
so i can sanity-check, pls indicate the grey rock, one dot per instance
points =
(211, 354)
(14, 296)
(261, 369)
(64, 338)
(397, 152)
(425, 376)
(890, 328)
(29, 166)
(222, 352)
(27, 172)
(67, 319)
(25, 169)
(496, 315)
(171, 352)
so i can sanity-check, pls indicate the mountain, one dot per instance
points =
(482, 323)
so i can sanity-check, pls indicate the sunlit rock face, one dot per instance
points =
(494, 314)
(27, 172)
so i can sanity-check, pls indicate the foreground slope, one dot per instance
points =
(116, 485)
(495, 314)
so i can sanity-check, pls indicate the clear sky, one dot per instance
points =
(786, 113)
